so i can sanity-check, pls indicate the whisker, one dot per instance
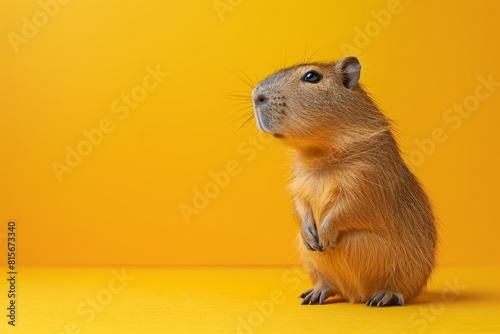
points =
(243, 98)
(239, 98)
(247, 103)
(245, 109)
(257, 80)
(275, 67)
(309, 60)
(248, 81)
(246, 122)
(283, 60)
(243, 116)
(304, 55)
(253, 83)
(242, 92)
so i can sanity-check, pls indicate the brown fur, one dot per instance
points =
(375, 227)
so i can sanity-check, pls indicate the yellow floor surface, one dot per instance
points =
(236, 300)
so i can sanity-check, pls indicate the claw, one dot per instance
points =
(310, 235)
(305, 293)
(309, 247)
(316, 245)
(385, 298)
(315, 297)
(322, 297)
(314, 234)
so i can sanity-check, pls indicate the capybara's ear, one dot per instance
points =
(350, 69)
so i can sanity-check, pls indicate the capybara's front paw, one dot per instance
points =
(310, 237)
(316, 296)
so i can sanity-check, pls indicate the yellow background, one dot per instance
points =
(122, 203)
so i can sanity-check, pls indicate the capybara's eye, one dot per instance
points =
(312, 77)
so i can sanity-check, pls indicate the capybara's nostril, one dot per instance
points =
(261, 99)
